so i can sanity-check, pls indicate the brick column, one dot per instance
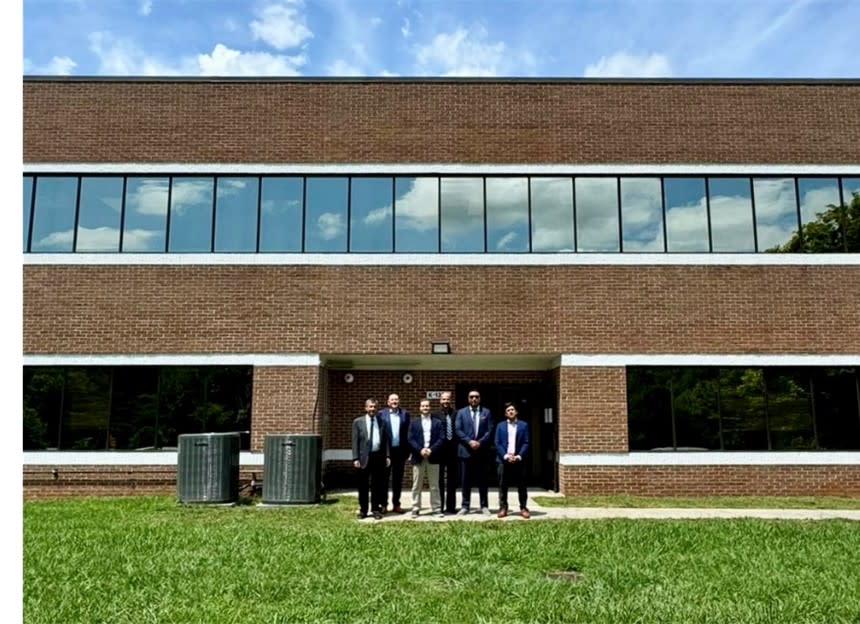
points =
(592, 410)
(287, 399)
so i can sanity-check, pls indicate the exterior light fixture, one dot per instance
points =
(440, 348)
(349, 378)
(407, 378)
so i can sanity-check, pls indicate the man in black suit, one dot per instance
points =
(449, 463)
(370, 457)
(395, 421)
(474, 428)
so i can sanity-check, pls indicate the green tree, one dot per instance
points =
(837, 229)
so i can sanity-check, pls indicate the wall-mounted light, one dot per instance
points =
(349, 378)
(440, 348)
(407, 378)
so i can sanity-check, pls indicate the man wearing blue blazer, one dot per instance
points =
(512, 445)
(474, 429)
(425, 442)
(395, 419)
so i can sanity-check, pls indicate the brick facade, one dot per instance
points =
(838, 480)
(557, 309)
(441, 121)
(196, 309)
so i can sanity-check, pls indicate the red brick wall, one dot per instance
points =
(592, 410)
(286, 400)
(495, 121)
(838, 480)
(335, 309)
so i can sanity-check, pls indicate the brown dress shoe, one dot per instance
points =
(398, 509)
(525, 513)
(502, 512)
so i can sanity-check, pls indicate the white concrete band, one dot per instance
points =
(142, 458)
(708, 359)
(713, 458)
(189, 359)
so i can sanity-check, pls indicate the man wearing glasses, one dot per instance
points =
(474, 430)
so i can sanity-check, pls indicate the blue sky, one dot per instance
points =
(559, 38)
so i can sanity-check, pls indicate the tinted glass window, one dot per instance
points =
(821, 218)
(837, 407)
(325, 228)
(597, 214)
(775, 212)
(649, 408)
(86, 408)
(731, 214)
(371, 215)
(416, 215)
(191, 214)
(54, 214)
(552, 214)
(281, 215)
(28, 201)
(43, 403)
(507, 215)
(462, 215)
(742, 403)
(134, 408)
(236, 214)
(145, 214)
(686, 214)
(100, 214)
(642, 214)
(789, 409)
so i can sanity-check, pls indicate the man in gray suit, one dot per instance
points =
(370, 458)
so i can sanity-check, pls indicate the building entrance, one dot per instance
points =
(536, 404)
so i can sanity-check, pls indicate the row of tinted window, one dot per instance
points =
(132, 407)
(431, 214)
(744, 409)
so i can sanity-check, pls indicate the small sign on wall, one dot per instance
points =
(434, 394)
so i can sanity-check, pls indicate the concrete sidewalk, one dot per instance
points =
(591, 513)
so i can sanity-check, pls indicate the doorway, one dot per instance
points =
(536, 404)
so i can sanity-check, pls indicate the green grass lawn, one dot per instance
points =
(153, 560)
(738, 502)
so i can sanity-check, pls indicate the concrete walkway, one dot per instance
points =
(590, 513)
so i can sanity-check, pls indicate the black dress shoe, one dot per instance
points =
(377, 515)
(361, 515)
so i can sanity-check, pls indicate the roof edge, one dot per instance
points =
(440, 79)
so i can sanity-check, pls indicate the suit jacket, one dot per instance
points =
(464, 429)
(521, 444)
(403, 450)
(449, 449)
(361, 444)
(416, 440)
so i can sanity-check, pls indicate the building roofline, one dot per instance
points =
(437, 80)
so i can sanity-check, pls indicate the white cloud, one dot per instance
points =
(623, 65)
(330, 225)
(375, 21)
(123, 58)
(146, 7)
(405, 28)
(281, 25)
(58, 66)
(463, 52)
(506, 241)
(227, 62)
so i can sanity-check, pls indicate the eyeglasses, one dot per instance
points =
(474, 396)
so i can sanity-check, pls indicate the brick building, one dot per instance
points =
(663, 274)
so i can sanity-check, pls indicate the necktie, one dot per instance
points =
(449, 430)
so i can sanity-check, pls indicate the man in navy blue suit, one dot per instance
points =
(474, 429)
(396, 422)
(425, 441)
(512, 445)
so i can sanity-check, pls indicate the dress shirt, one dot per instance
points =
(476, 418)
(372, 433)
(512, 438)
(425, 425)
(394, 419)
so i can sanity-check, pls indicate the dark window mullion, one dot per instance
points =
(439, 214)
(797, 211)
(663, 205)
(304, 209)
(349, 214)
(259, 211)
(573, 204)
(484, 179)
(169, 210)
(32, 214)
(122, 212)
(77, 216)
(393, 214)
(529, 192)
(708, 214)
(618, 201)
(214, 201)
(755, 220)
